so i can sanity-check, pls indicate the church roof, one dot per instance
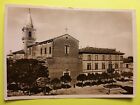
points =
(94, 50)
(65, 35)
(50, 40)
(19, 52)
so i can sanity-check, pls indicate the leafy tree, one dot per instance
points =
(97, 78)
(25, 71)
(55, 83)
(90, 77)
(65, 79)
(110, 72)
(104, 77)
(13, 86)
(116, 75)
(82, 78)
(43, 82)
(12, 73)
(127, 74)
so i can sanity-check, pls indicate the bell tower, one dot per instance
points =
(28, 33)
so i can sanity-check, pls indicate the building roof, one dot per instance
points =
(94, 50)
(128, 60)
(50, 40)
(19, 52)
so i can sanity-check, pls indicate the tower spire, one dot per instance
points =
(28, 33)
(29, 21)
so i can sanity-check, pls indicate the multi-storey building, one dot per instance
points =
(98, 60)
(62, 54)
(128, 64)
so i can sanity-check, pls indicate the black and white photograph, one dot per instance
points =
(55, 52)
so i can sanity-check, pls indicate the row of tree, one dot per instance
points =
(103, 78)
(30, 75)
(96, 79)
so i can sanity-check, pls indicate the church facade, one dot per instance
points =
(60, 53)
(63, 56)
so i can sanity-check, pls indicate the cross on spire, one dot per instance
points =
(29, 11)
(66, 30)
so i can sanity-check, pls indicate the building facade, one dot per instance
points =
(98, 60)
(60, 54)
(63, 56)
(128, 64)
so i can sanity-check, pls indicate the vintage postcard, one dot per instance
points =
(69, 53)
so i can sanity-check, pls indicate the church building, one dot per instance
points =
(63, 56)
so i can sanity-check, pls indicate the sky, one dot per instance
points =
(95, 28)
